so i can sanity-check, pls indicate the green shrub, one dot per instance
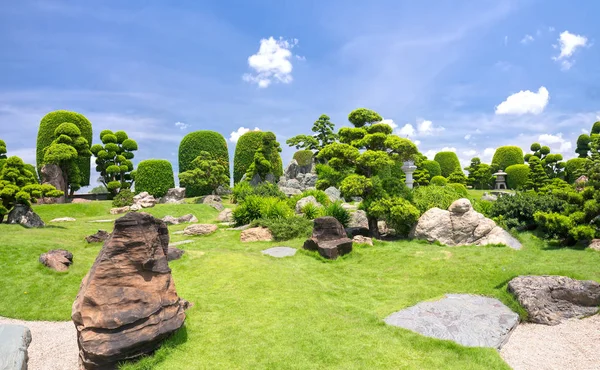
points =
(554, 225)
(432, 167)
(460, 189)
(518, 211)
(574, 168)
(319, 195)
(255, 207)
(517, 175)
(311, 211)
(48, 125)
(246, 146)
(397, 212)
(506, 156)
(448, 162)
(266, 189)
(457, 177)
(483, 206)
(303, 157)
(286, 228)
(438, 181)
(241, 191)
(154, 176)
(124, 198)
(427, 197)
(191, 146)
(338, 212)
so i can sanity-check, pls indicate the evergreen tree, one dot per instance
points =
(551, 163)
(457, 177)
(323, 136)
(113, 160)
(261, 164)
(537, 175)
(207, 171)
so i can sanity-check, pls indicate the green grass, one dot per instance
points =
(477, 193)
(256, 312)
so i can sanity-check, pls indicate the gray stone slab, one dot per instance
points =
(280, 252)
(470, 320)
(14, 341)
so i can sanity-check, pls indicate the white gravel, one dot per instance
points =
(53, 344)
(573, 344)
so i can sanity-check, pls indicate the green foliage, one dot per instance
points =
(551, 163)
(311, 211)
(583, 145)
(245, 150)
(518, 211)
(190, 148)
(328, 176)
(338, 212)
(432, 167)
(421, 177)
(46, 136)
(483, 206)
(240, 191)
(507, 156)
(461, 189)
(255, 207)
(286, 228)
(563, 228)
(2, 149)
(207, 172)
(124, 198)
(100, 189)
(574, 168)
(355, 186)
(303, 157)
(154, 176)
(323, 136)
(427, 197)
(517, 175)
(438, 181)
(113, 160)
(538, 177)
(480, 174)
(362, 116)
(457, 177)
(262, 163)
(448, 161)
(319, 195)
(397, 212)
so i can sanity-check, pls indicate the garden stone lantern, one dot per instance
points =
(500, 180)
(409, 168)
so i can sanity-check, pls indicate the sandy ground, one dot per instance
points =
(573, 345)
(53, 344)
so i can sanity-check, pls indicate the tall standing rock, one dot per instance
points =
(127, 303)
(53, 175)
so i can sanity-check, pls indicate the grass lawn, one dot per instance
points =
(477, 193)
(256, 312)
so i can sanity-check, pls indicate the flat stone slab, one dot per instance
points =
(470, 320)
(63, 219)
(280, 252)
(14, 341)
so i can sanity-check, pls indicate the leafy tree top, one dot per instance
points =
(362, 116)
(323, 135)
(2, 149)
(208, 171)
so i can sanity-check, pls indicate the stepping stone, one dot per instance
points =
(64, 219)
(175, 244)
(180, 232)
(101, 221)
(280, 252)
(470, 320)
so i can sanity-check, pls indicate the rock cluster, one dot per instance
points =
(461, 225)
(24, 215)
(98, 237)
(297, 178)
(170, 220)
(57, 259)
(127, 303)
(143, 200)
(256, 234)
(359, 224)
(174, 196)
(551, 299)
(329, 238)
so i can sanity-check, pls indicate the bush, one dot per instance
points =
(427, 197)
(338, 212)
(246, 146)
(448, 162)
(154, 176)
(48, 125)
(311, 211)
(124, 198)
(517, 175)
(574, 168)
(319, 195)
(286, 228)
(506, 156)
(255, 207)
(518, 211)
(397, 212)
(484, 207)
(266, 189)
(190, 148)
(241, 191)
(460, 189)
(432, 167)
(303, 157)
(554, 225)
(438, 181)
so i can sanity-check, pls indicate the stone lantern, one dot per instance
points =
(500, 180)
(409, 168)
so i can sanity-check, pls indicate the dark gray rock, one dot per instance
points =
(329, 238)
(24, 215)
(14, 341)
(98, 237)
(470, 320)
(174, 253)
(280, 252)
(551, 299)
(174, 196)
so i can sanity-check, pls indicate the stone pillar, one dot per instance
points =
(409, 168)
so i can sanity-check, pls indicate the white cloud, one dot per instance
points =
(26, 154)
(470, 152)
(235, 135)
(181, 125)
(527, 39)
(272, 62)
(424, 128)
(556, 142)
(569, 43)
(417, 142)
(407, 130)
(390, 122)
(525, 102)
(468, 137)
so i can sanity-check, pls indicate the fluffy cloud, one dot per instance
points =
(424, 128)
(272, 62)
(569, 43)
(556, 142)
(470, 152)
(468, 137)
(407, 131)
(390, 122)
(527, 39)
(235, 135)
(525, 102)
(181, 125)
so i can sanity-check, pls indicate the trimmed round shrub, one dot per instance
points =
(438, 181)
(191, 146)
(49, 124)
(517, 175)
(448, 162)
(154, 176)
(243, 157)
(460, 189)
(574, 168)
(123, 198)
(432, 167)
(427, 197)
(506, 156)
(303, 157)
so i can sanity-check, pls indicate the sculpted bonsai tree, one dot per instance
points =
(551, 163)
(113, 160)
(65, 151)
(207, 172)
(18, 185)
(262, 165)
(480, 174)
(323, 136)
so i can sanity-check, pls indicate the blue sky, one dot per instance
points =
(465, 75)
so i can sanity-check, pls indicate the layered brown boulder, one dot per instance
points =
(329, 238)
(57, 259)
(127, 303)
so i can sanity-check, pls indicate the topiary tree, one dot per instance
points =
(480, 174)
(113, 160)
(18, 185)
(448, 162)
(507, 156)
(48, 125)
(432, 167)
(362, 116)
(517, 175)
(208, 172)
(457, 177)
(584, 141)
(247, 145)
(262, 165)
(438, 181)
(552, 163)
(304, 157)
(154, 176)
(538, 177)
(323, 135)
(2, 149)
(67, 151)
(190, 148)
(574, 168)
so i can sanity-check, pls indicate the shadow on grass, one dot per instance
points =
(152, 360)
(51, 227)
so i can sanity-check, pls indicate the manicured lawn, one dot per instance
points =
(477, 193)
(256, 312)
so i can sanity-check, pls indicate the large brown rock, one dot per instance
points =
(256, 234)
(127, 303)
(98, 237)
(52, 174)
(551, 299)
(329, 238)
(200, 229)
(57, 259)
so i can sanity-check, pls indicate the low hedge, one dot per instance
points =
(154, 176)
(517, 175)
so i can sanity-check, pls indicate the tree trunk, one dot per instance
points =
(373, 228)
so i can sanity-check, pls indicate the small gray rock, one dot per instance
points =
(63, 219)
(174, 253)
(306, 200)
(14, 341)
(24, 215)
(280, 252)
(174, 196)
(333, 193)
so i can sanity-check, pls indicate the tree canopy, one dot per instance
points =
(323, 136)
(207, 171)
(113, 160)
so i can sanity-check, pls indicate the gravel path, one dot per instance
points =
(573, 344)
(53, 344)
